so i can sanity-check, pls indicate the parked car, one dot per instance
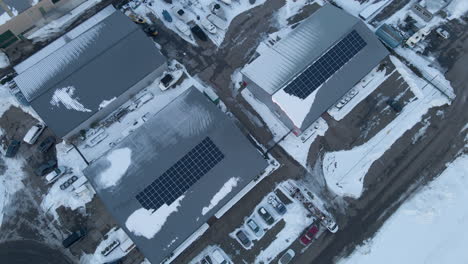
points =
(12, 149)
(394, 105)
(243, 238)
(206, 260)
(180, 14)
(167, 16)
(219, 257)
(45, 167)
(265, 215)
(73, 238)
(69, 182)
(331, 225)
(55, 174)
(197, 31)
(169, 79)
(309, 235)
(182, 27)
(277, 204)
(33, 133)
(287, 257)
(254, 227)
(443, 33)
(46, 144)
(208, 26)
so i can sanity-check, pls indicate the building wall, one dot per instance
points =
(265, 98)
(129, 94)
(33, 18)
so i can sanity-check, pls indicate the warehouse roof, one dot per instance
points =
(166, 179)
(72, 78)
(299, 55)
(16, 5)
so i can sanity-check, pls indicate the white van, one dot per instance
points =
(34, 133)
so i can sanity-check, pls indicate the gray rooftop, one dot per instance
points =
(18, 5)
(158, 145)
(99, 62)
(288, 58)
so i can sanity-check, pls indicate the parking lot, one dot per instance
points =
(388, 180)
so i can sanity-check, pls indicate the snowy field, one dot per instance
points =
(345, 170)
(429, 228)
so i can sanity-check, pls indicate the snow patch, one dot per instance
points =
(105, 103)
(440, 204)
(147, 223)
(225, 190)
(115, 234)
(4, 61)
(64, 96)
(120, 160)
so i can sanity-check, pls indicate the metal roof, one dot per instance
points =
(18, 5)
(273, 68)
(109, 56)
(160, 143)
(287, 59)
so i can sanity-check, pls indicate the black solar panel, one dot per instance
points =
(323, 68)
(181, 176)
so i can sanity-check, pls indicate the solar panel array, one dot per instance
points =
(323, 68)
(181, 176)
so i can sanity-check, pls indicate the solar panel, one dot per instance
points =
(181, 176)
(323, 68)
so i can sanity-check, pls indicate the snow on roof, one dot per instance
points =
(156, 146)
(225, 190)
(119, 161)
(296, 108)
(147, 223)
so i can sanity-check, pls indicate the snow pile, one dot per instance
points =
(364, 88)
(298, 149)
(105, 103)
(290, 9)
(58, 25)
(430, 227)
(296, 221)
(5, 17)
(4, 61)
(115, 234)
(345, 170)
(119, 161)
(70, 158)
(225, 190)
(353, 7)
(147, 223)
(64, 96)
(10, 182)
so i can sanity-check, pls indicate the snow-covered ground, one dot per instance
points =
(195, 11)
(56, 26)
(115, 234)
(5, 17)
(4, 61)
(345, 170)
(208, 252)
(430, 227)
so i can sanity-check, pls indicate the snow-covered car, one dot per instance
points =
(254, 227)
(180, 14)
(309, 235)
(167, 16)
(331, 225)
(277, 204)
(217, 10)
(217, 21)
(169, 79)
(243, 238)
(182, 27)
(287, 257)
(265, 215)
(218, 257)
(55, 174)
(208, 26)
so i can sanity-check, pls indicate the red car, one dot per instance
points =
(309, 235)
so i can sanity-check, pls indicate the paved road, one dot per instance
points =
(29, 251)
